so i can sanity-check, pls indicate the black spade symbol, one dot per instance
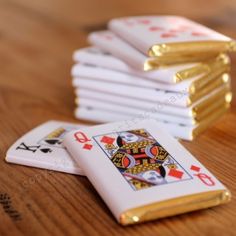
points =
(51, 141)
(46, 150)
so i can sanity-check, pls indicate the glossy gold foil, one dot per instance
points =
(206, 123)
(154, 63)
(175, 206)
(202, 107)
(201, 110)
(210, 69)
(208, 111)
(77, 101)
(204, 81)
(191, 48)
(217, 83)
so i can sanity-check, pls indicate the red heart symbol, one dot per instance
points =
(155, 28)
(199, 34)
(168, 35)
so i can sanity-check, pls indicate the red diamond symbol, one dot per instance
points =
(195, 168)
(107, 140)
(176, 173)
(87, 146)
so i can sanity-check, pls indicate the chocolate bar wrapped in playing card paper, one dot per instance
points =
(172, 74)
(42, 148)
(141, 172)
(171, 39)
(117, 79)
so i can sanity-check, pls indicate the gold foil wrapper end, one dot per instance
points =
(232, 46)
(194, 47)
(210, 68)
(175, 206)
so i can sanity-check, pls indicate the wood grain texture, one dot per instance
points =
(37, 39)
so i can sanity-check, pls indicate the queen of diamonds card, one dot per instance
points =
(141, 159)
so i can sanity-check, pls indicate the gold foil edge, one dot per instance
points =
(217, 83)
(224, 92)
(210, 78)
(215, 106)
(175, 206)
(209, 69)
(216, 114)
(153, 63)
(191, 48)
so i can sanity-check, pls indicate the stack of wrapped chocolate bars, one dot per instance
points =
(163, 67)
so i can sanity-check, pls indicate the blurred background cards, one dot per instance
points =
(163, 67)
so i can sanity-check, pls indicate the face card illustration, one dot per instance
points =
(141, 159)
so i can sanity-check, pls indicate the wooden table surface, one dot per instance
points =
(37, 39)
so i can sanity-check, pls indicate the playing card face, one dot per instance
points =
(162, 30)
(140, 159)
(42, 147)
(134, 165)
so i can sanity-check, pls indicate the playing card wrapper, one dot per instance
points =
(42, 148)
(131, 59)
(141, 172)
(108, 41)
(191, 86)
(172, 37)
(152, 113)
(198, 110)
(172, 74)
(180, 99)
